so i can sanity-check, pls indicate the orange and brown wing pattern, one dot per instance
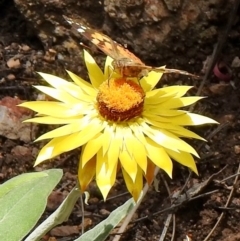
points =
(125, 62)
(100, 40)
(104, 43)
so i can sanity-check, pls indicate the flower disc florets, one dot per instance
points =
(120, 99)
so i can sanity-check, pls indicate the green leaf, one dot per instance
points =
(59, 216)
(23, 200)
(102, 230)
(18, 181)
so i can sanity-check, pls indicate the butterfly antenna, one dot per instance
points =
(175, 71)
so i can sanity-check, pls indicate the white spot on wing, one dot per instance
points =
(69, 21)
(82, 29)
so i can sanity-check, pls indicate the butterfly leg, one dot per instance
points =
(110, 71)
(143, 73)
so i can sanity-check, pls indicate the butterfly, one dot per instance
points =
(124, 62)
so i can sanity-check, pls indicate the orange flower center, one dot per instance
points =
(120, 99)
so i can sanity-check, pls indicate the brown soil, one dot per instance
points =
(195, 218)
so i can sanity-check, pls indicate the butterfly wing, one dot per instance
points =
(126, 54)
(104, 43)
(116, 50)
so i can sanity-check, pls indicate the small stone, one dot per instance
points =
(64, 231)
(237, 149)
(38, 168)
(52, 51)
(104, 212)
(87, 222)
(28, 64)
(93, 200)
(11, 77)
(11, 118)
(50, 55)
(21, 151)
(25, 48)
(15, 46)
(2, 80)
(235, 62)
(13, 63)
(2, 176)
(227, 118)
(60, 56)
(69, 176)
(54, 200)
(40, 53)
(218, 89)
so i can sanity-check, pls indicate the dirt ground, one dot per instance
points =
(214, 199)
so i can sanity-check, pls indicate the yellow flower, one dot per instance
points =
(119, 123)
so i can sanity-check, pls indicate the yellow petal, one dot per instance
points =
(108, 136)
(57, 94)
(47, 152)
(164, 113)
(183, 158)
(108, 68)
(113, 152)
(134, 187)
(179, 102)
(69, 87)
(137, 130)
(139, 154)
(101, 165)
(159, 157)
(67, 143)
(192, 119)
(53, 120)
(95, 73)
(115, 137)
(150, 172)
(152, 115)
(78, 139)
(149, 82)
(85, 86)
(71, 128)
(168, 140)
(176, 129)
(86, 173)
(182, 132)
(177, 90)
(105, 177)
(156, 97)
(62, 131)
(128, 139)
(113, 174)
(55, 81)
(91, 148)
(52, 108)
(129, 164)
